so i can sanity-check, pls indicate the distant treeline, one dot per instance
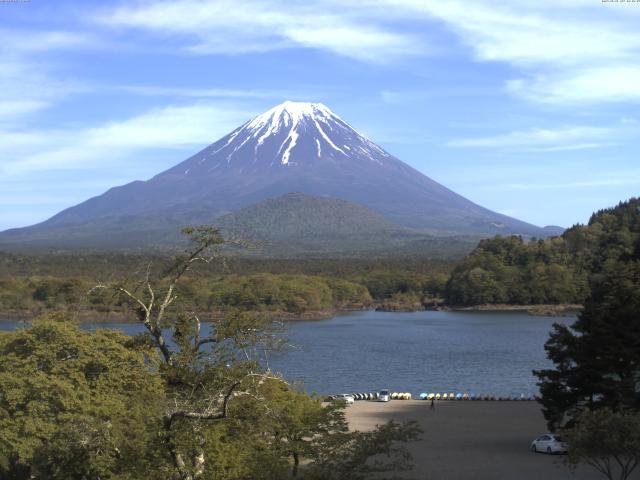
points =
(502, 270)
(106, 265)
(42, 284)
(508, 270)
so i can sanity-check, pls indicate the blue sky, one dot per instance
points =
(529, 108)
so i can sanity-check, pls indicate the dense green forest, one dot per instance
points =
(501, 270)
(510, 270)
(33, 285)
(299, 225)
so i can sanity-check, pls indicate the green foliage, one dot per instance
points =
(363, 455)
(500, 270)
(607, 440)
(299, 217)
(556, 270)
(386, 284)
(288, 293)
(260, 285)
(510, 270)
(75, 404)
(597, 359)
(304, 429)
(212, 409)
(113, 264)
(37, 294)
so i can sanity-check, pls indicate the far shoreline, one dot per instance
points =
(546, 310)
(92, 316)
(95, 317)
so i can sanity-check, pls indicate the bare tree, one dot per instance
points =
(203, 373)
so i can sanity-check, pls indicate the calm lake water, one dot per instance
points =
(475, 352)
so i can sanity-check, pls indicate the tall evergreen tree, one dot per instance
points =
(597, 359)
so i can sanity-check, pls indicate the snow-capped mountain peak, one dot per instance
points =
(290, 114)
(289, 134)
(293, 147)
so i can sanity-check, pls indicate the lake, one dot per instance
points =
(475, 352)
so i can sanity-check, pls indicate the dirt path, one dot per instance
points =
(472, 440)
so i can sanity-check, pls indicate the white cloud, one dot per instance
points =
(155, 90)
(566, 138)
(574, 146)
(604, 83)
(533, 33)
(361, 42)
(168, 127)
(14, 108)
(27, 87)
(565, 51)
(14, 41)
(562, 50)
(231, 27)
(403, 97)
(43, 171)
(27, 82)
(171, 127)
(219, 93)
(629, 121)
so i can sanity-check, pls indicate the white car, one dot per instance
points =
(384, 396)
(548, 443)
(344, 397)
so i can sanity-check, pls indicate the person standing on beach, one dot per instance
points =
(433, 404)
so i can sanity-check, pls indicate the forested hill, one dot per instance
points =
(299, 225)
(506, 270)
(509, 270)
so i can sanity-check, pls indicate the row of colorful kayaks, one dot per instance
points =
(447, 396)
(475, 397)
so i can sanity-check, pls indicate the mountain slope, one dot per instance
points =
(298, 224)
(296, 215)
(291, 225)
(300, 147)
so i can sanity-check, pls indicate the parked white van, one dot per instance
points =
(384, 396)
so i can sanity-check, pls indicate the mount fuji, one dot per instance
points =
(293, 147)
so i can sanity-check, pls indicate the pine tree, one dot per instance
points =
(598, 358)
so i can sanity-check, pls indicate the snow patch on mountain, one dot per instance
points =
(328, 140)
(291, 114)
(295, 116)
(292, 138)
(286, 134)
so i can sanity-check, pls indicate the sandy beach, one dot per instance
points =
(472, 440)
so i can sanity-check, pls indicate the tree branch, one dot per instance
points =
(204, 341)
(206, 415)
